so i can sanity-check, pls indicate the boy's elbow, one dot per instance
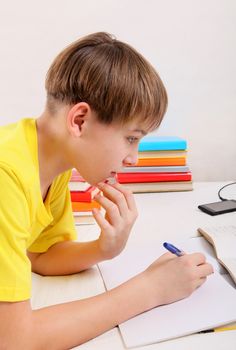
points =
(18, 338)
(17, 329)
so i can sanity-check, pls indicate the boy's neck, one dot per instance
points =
(51, 149)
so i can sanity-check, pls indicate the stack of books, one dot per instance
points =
(82, 198)
(161, 167)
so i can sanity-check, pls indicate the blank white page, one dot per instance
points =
(223, 239)
(213, 304)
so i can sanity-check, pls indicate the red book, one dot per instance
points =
(153, 177)
(84, 196)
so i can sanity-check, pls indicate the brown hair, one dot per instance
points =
(113, 78)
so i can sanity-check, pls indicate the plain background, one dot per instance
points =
(192, 44)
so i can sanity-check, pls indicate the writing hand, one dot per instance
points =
(176, 278)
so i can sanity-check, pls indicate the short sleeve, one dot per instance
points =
(62, 227)
(15, 267)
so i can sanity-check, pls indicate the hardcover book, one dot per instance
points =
(84, 196)
(162, 143)
(85, 206)
(153, 177)
(170, 161)
(156, 169)
(172, 186)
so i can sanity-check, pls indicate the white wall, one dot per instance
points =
(192, 43)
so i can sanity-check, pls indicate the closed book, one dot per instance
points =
(162, 143)
(82, 213)
(153, 177)
(78, 186)
(85, 206)
(148, 187)
(156, 169)
(161, 161)
(84, 196)
(83, 218)
(77, 182)
(162, 154)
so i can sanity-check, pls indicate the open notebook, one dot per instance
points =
(212, 305)
(223, 239)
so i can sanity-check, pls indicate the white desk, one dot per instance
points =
(169, 216)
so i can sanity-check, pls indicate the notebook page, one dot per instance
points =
(223, 239)
(210, 306)
(213, 304)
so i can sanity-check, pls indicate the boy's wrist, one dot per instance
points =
(141, 295)
(152, 295)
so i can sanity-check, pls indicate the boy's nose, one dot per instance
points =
(131, 160)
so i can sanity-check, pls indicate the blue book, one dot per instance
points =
(162, 143)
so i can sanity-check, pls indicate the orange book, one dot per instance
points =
(161, 161)
(85, 206)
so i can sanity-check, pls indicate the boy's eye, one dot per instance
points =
(132, 139)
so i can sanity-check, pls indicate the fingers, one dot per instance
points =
(196, 258)
(166, 256)
(199, 267)
(199, 260)
(200, 282)
(128, 196)
(119, 218)
(123, 199)
(205, 270)
(111, 209)
(101, 221)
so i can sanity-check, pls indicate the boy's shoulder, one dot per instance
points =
(10, 134)
(18, 147)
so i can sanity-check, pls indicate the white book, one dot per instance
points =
(162, 154)
(84, 220)
(156, 169)
(211, 305)
(167, 186)
(78, 185)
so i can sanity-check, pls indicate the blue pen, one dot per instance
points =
(173, 249)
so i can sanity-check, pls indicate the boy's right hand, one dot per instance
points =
(172, 278)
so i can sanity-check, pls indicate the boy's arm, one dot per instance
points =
(66, 258)
(71, 257)
(66, 325)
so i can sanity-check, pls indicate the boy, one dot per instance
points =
(102, 97)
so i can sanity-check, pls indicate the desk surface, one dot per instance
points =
(170, 216)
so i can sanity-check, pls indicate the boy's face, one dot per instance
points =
(105, 149)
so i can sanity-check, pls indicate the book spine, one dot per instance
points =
(156, 169)
(83, 206)
(84, 196)
(177, 161)
(162, 144)
(80, 196)
(153, 177)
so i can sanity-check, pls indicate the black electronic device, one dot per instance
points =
(217, 208)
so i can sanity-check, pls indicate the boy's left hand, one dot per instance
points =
(121, 213)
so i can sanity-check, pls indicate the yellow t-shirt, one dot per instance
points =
(26, 222)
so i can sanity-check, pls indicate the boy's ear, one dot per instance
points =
(76, 117)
